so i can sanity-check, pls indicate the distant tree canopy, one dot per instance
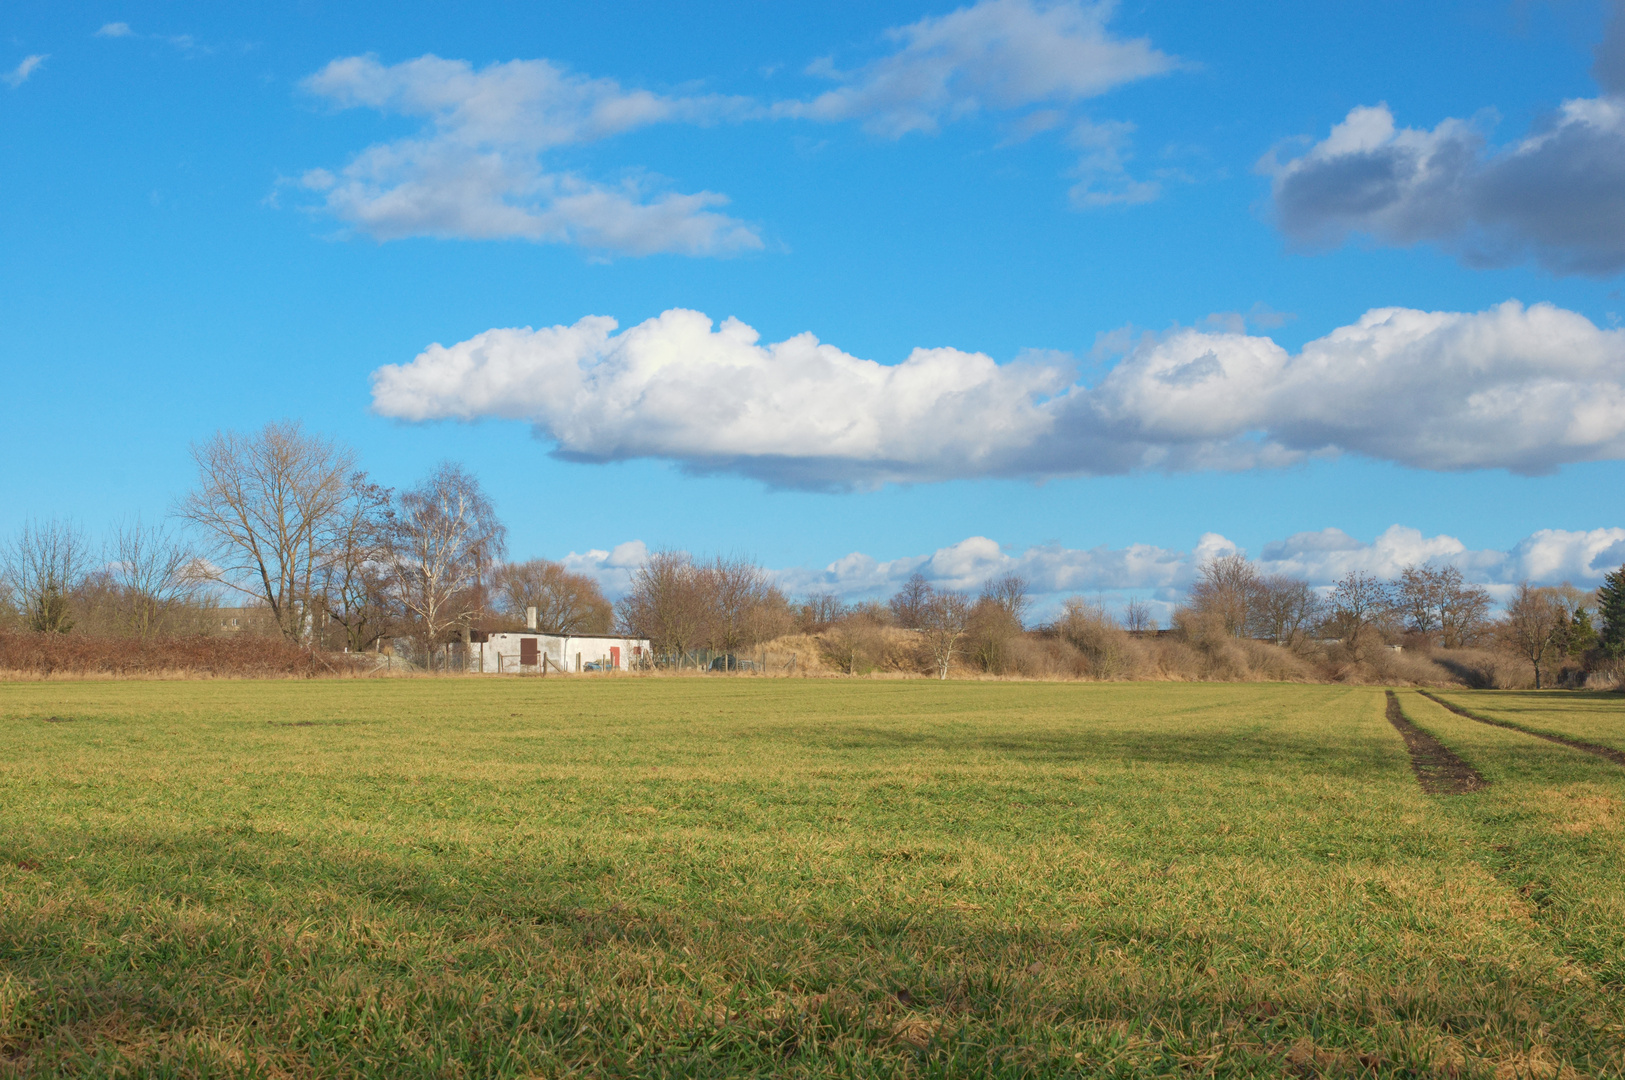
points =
(724, 605)
(565, 602)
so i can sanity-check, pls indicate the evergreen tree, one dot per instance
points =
(1611, 607)
(1582, 635)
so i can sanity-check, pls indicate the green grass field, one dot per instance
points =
(725, 877)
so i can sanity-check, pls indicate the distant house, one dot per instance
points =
(529, 651)
(244, 620)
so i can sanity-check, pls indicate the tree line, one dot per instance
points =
(286, 525)
(1426, 606)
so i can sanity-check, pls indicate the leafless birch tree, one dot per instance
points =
(446, 540)
(943, 623)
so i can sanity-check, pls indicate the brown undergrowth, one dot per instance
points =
(34, 656)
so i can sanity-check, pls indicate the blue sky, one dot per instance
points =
(1118, 228)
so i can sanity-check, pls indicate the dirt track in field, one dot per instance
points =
(1437, 768)
(1616, 756)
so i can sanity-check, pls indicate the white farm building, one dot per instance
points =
(531, 652)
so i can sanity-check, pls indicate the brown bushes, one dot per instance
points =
(241, 656)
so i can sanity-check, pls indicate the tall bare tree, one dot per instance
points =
(819, 610)
(746, 606)
(156, 576)
(1284, 608)
(943, 623)
(1535, 624)
(270, 505)
(1137, 617)
(909, 605)
(565, 602)
(1437, 602)
(447, 538)
(355, 580)
(667, 604)
(1418, 594)
(1359, 602)
(1225, 592)
(43, 565)
(1012, 593)
(1463, 610)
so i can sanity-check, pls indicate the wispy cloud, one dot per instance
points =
(186, 43)
(19, 74)
(1521, 388)
(1023, 59)
(477, 169)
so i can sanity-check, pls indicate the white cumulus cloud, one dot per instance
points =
(115, 30)
(1557, 196)
(1521, 388)
(477, 170)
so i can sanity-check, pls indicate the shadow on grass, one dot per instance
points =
(1244, 748)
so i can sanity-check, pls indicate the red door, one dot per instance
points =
(527, 652)
(615, 657)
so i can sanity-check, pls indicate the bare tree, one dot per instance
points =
(1359, 602)
(943, 624)
(446, 540)
(911, 602)
(819, 610)
(1137, 617)
(1464, 610)
(1011, 593)
(566, 602)
(853, 640)
(1535, 624)
(355, 579)
(1284, 608)
(44, 564)
(1418, 594)
(739, 592)
(156, 577)
(1225, 592)
(271, 505)
(667, 604)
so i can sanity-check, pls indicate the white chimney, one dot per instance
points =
(530, 618)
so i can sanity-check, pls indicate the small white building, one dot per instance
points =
(531, 652)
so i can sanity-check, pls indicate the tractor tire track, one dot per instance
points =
(1616, 756)
(1437, 768)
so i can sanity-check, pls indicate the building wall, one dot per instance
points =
(500, 653)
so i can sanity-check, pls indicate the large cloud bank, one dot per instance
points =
(1521, 388)
(1547, 557)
